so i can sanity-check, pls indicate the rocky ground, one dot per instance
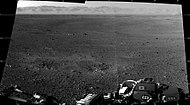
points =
(68, 56)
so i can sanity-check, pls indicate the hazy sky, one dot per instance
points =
(25, 3)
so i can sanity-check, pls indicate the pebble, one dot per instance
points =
(8, 65)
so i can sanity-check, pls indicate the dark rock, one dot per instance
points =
(85, 33)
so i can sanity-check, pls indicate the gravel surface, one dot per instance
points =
(69, 56)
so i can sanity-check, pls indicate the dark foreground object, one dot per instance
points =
(130, 92)
(15, 96)
(141, 92)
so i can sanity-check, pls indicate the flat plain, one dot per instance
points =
(68, 56)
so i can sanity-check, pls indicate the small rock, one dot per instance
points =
(80, 72)
(8, 65)
(91, 88)
(125, 73)
(63, 103)
(85, 33)
(48, 48)
(28, 54)
(182, 69)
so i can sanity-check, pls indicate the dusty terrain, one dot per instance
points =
(68, 56)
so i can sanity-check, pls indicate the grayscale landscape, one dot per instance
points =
(69, 55)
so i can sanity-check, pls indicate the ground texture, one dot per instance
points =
(68, 56)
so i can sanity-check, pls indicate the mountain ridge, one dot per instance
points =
(95, 10)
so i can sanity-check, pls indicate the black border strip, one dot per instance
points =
(7, 17)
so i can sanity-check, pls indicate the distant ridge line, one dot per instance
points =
(96, 10)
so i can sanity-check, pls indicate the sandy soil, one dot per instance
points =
(68, 56)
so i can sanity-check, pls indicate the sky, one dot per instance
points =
(25, 3)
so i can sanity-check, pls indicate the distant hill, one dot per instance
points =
(97, 10)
